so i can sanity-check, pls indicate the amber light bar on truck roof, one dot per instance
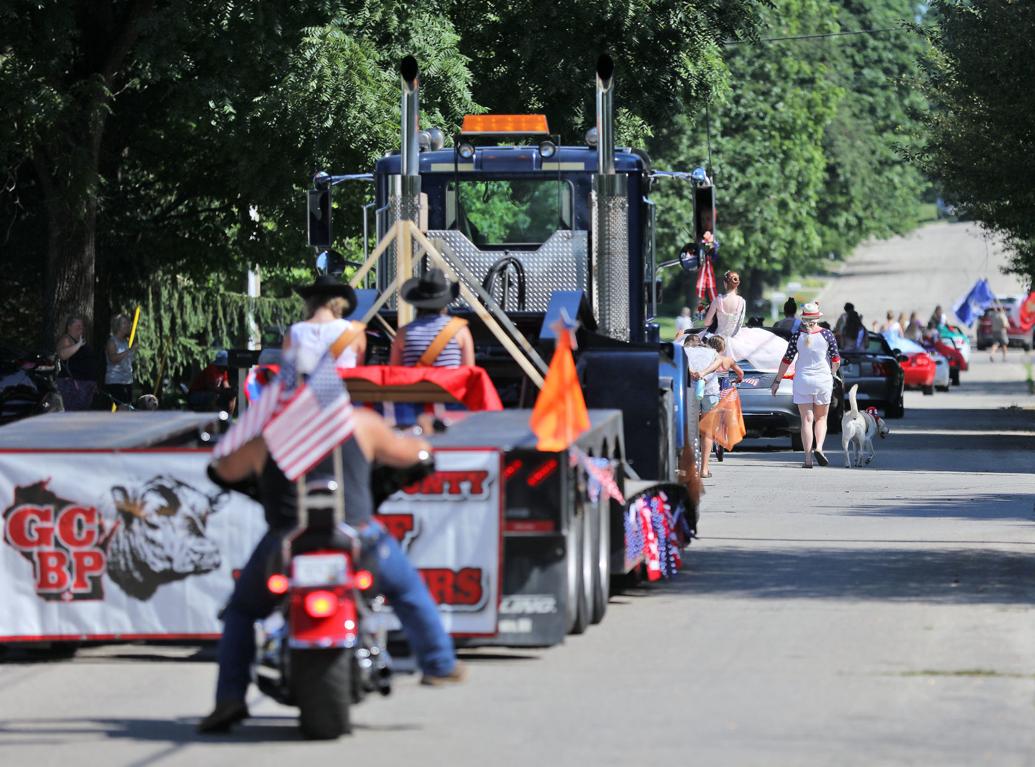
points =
(505, 125)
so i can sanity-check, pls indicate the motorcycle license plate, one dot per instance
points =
(319, 569)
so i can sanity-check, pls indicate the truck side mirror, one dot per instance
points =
(690, 257)
(319, 225)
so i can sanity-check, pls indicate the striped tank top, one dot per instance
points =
(419, 335)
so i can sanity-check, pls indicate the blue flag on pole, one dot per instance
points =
(975, 302)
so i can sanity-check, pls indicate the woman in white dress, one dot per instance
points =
(817, 360)
(728, 308)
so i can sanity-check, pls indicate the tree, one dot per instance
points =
(528, 55)
(175, 138)
(766, 141)
(979, 144)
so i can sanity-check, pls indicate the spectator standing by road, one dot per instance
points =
(915, 328)
(937, 317)
(714, 384)
(891, 326)
(853, 335)
(817, 360)
(698, 357)
(839, 326)
(118, 374)
(790, 321)
(77, 380)
(1000, 333)
(684, 321)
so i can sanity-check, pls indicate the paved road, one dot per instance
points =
(874, 616)
(936, 264)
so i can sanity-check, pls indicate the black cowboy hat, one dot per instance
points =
(327, 286)
(430, 291)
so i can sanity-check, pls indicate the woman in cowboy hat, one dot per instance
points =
(327, 300)
(433, 339)
(817, 361)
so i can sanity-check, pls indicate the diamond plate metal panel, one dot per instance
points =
(611, 261)
(560, 263)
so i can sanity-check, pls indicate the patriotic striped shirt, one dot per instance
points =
(419, 336)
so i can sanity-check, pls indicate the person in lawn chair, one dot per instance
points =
(433, 339)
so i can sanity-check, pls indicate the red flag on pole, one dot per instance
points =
(560, 414)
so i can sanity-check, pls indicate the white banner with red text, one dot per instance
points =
(140, 544)
(450, 526)
(102, 545)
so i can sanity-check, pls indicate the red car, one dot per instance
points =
(918, 369)
(953, 355)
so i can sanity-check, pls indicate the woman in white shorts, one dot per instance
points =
(817, 360)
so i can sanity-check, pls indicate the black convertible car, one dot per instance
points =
(877, 371)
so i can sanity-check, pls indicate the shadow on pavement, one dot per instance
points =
(179, 731)
(982, 506)
(972, 576)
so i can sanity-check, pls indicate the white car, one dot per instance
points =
(941, 371)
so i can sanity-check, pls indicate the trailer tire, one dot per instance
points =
(320, 681)
(589, 564)
(584, 574)
(602, 547)
(573, 570)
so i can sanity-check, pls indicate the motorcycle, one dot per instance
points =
(325, 647)
(27, 385)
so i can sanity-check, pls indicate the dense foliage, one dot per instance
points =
(807, 148)
(155, 149)
(979, 141)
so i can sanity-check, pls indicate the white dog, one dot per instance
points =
(858, 430)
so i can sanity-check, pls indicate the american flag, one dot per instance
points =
(315, 419)
(602, 477)
(706, 280)
(254, 420)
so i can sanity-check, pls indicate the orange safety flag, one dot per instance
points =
(725, 422)
(560, 414)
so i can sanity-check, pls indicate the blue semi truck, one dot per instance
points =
(539, 230)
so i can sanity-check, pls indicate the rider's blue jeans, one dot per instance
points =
(394, 577)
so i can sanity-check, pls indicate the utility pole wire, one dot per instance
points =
(815, 37)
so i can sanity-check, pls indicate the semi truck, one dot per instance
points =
(537, 230)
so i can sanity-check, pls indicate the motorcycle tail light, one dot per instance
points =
(363, 579)
(278, 583)
(320, 604)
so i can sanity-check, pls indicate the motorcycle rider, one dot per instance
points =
(372, 439)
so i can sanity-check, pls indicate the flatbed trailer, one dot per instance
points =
(563, 540)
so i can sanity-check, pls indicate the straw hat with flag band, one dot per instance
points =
(811, 312)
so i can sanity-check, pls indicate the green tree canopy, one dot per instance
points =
(979, 144)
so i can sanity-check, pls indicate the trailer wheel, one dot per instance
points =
(573, 570)
(583, 573)
(602, 546)
(320, 682)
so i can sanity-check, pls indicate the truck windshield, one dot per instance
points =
(508, 212)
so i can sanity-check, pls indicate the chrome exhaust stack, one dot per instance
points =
(405, 193)
(610, 217)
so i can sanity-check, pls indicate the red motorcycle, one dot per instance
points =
(324, 649)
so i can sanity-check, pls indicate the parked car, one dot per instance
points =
(918, 366)
(769, 416)
(1017, 336)
(876, 369)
